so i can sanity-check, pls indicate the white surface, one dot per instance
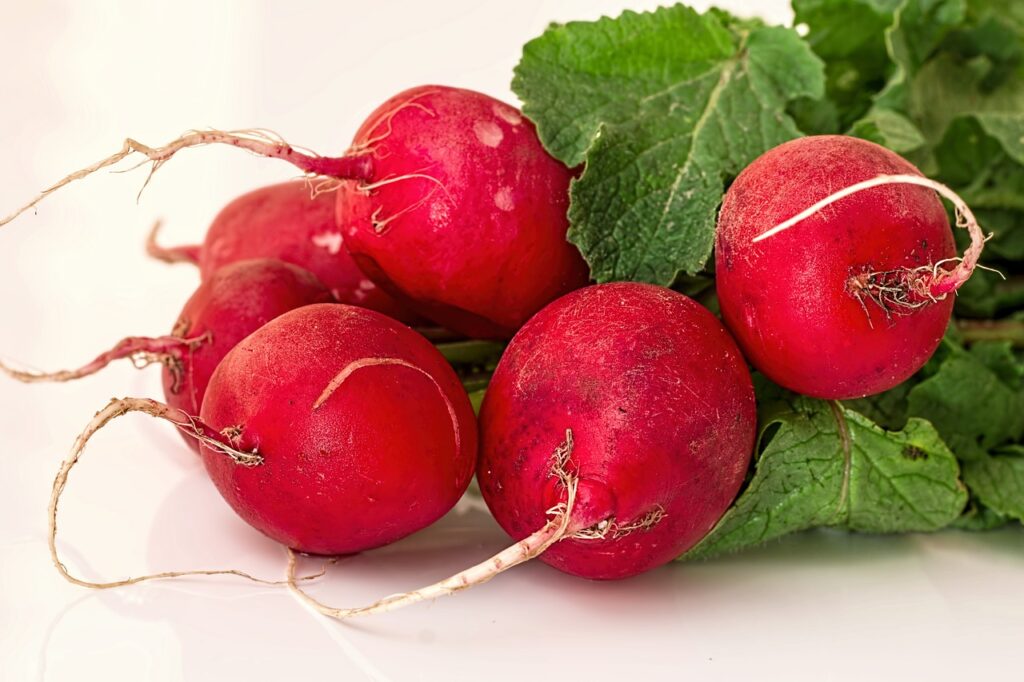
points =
(77, 77)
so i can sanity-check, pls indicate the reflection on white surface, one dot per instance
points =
(911, 605)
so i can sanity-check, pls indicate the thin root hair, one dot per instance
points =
(117, 408)
(556, 528)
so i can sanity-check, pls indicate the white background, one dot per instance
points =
(75, 79)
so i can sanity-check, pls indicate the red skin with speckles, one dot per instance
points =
(387, 452)
(479, 246)
(662, 414)
(786, 299)
(282, 221)
(232, 303)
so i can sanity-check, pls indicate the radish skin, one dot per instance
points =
(616, 431)
(466, 215)
(285, 222)
(848, 296)
(661, 410)
(366, 432)
(332, 429)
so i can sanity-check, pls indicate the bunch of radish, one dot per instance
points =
(618, 425)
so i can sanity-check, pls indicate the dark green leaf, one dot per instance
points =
(974, 408)
(998, 481)
(849, 35)
(827, 465)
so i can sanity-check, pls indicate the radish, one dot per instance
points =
(434, 169)
(284, 222)
(332, 429)
(454, 169)
(616, 431)
(234, 302)
(849, 297)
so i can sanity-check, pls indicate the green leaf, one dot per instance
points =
(998, 481)
(578, 76)
(889, 129)
(947, 88)
(978, 517)
(919, 27)
(976, 401)
(815, 116)
(994, 29)
(973, 400)
(849, 35)
(1007, 12)
(986, 294)
(827, 465)
(662, 107)
(889, 409)
(1007, 127)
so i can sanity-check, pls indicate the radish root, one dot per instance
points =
(170, 254)
(362, 363)
(186, 423)
(610, 528)
(141, 350)
(557, 528)
(905, 289)
(258, 141)
(380, 224)
(367, 146)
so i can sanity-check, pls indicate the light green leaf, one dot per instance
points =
(947, 88)
(1007, 127)
(889, 129)
(579, 75)
(662, 107)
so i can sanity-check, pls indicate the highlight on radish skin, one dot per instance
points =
(290, 222)
(451, 168)
(432, 169)
(834, 265)
(616, 431)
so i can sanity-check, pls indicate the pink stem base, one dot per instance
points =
(143, 350)
(188, 253)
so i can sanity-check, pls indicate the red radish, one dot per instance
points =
(433, 170)
(616, 431)
(234, 302)
(284, 222)
(332, 429)
(466, 214)
(366, 432)
(660, 408)
(849, 297)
